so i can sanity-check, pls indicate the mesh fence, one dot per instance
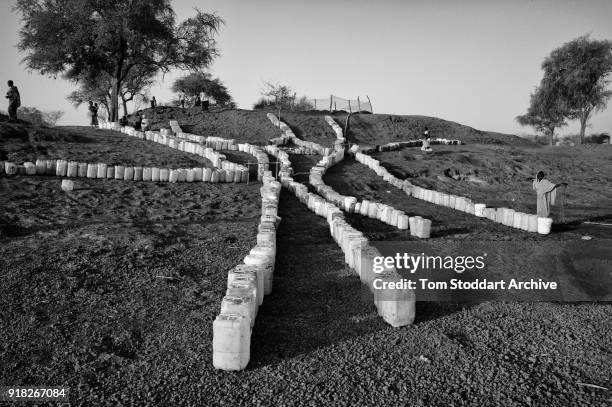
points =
(335, 103)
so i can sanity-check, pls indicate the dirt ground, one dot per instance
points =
(112, 289)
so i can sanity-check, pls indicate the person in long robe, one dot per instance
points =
(546, 193)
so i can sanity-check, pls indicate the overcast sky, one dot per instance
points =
(473, 62)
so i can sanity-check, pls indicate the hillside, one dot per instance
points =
(253, 126)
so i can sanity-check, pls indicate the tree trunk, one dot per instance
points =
(584, 118)
(125, 111)
(116, 82)
(114, 102)
(552, 135)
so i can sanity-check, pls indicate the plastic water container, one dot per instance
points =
(92, 170)
(101, 170)
(231, 342)
(81, 170)
(238, 305)
(479, 210)
(532, 225)
(517, 220)
(524, 221)
(215, 176)
(155, 174)
(30, 168)
(544, 225)
(41, 167)
(267, 264)
(197, 174)
(67, 185)
(509, 217)
(206, 174)
(119, 171)
(164, 174)
(469, 207)
(146, 173)
(373, 210)
(174, 176)
(10, 168)
(61, 168)
(138, 173)
(423, 228)
(50, 167)
(364, 207)
(396, 307)
(402, 222)
(128, 174)
(256, 274)
(247, 289)
(412, 223)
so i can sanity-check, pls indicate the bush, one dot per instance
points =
(38, 118)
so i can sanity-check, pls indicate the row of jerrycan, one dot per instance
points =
(212, 143)
(396, 307)
(247, 284)
(505, 216)
(207, 151)
(66, 168)
(508, 217)
(288, 135)
(336, 128)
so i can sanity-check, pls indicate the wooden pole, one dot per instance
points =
(358, 104)
(370, 102)
(350, 110)
(330, 102)
(346, 124)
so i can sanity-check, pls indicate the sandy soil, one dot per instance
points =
(111, 289)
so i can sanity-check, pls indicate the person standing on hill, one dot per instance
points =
(92, 112)
(426, 141)
(198, 101)
(181, 98)
(153, 102)
(546, 193)
(95, 115)
(14, 101)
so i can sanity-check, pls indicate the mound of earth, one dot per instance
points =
(253, 126)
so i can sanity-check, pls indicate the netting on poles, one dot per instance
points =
(335, 103)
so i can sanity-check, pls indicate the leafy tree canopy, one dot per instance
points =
(82, 39)
(197, 82)
(578, 71)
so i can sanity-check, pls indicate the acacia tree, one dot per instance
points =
(578, 71)
(96, 90)
(85, 38)
(546, 111)
(99, 89)
(197, 82)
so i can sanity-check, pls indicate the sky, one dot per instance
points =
(471, 61)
